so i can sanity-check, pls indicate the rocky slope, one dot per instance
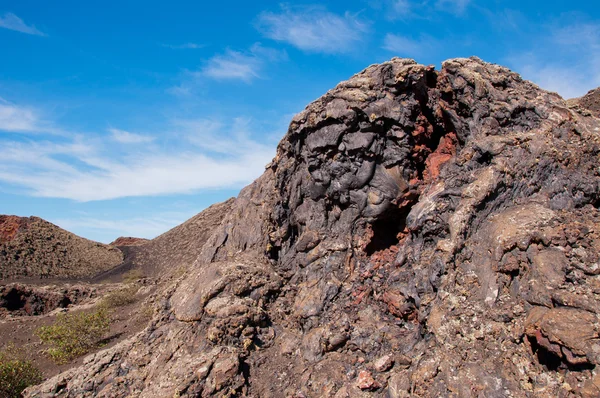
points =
(591, 101)
(32, 247)
(172, 251)
(419, 233)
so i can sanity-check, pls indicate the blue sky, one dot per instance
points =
(128, 117)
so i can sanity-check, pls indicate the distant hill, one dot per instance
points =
(590, 101)
(177, 247)
(33, 247)
(129, 241)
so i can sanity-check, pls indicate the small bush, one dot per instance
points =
(16, 374)
(133, 275)
(75, 334)
(120, 297)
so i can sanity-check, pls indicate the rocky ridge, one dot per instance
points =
(31, 247)
(591, 101)
(419, 233)
(128, 241)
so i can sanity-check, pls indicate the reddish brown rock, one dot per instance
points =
(32, 247)
(365, 381)
(128, 241)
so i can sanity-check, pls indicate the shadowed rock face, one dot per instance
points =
(32, 247)
(419, 233)
(21, 299)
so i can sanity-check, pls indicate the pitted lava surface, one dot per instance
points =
(420, 232)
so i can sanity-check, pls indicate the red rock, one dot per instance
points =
(365, 381)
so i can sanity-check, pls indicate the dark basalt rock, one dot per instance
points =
(17, 299)
(419, 233)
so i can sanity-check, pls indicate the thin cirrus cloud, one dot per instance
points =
(17, 119)
(565, 61)
(87, 168)
(12, 22)
(313, 29)
(453, 6)
(147, 227)
(403, 9)
(126, 137)
(233, 65)
(404, 46)
(237, 65)
(23, 119)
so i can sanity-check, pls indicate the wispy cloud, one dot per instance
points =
(233, 65)
(313, 29)
(184, 46)
(86, 168)
(419, 9)
(17, 119)
(457, 7)
(25, 119)
(12, 22)
(126, 137)
(565, 59)
(237, 65)
(408, 47)
(148, 226)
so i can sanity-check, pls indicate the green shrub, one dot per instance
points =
(133, 275)
(120, 297)
(16, 374)
(75, 334)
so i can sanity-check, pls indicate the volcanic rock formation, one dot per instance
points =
(173, 250)
(419, 233)
(590, 101)
(32, 247)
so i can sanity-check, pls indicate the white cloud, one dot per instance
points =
(565, 59)
(12, 22)
(236, 65)
(233, 65)
(313, 29)
(400, 7)
(218, 155)
(149, 226)
(419, 9)
(407, 47)
(17, 119)
(125, 137)
(565, 80)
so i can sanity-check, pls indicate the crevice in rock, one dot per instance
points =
(555, 361)
(546, 358)
(386, 229)
(13, 300)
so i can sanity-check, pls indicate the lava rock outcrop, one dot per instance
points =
(18, 299)
(419, 233)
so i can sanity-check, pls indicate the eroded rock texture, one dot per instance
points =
(21, 299)
(419, 233)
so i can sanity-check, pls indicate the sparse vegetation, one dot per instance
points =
(16, 374)
(120, 297)
(75, 334)
(133, 275)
